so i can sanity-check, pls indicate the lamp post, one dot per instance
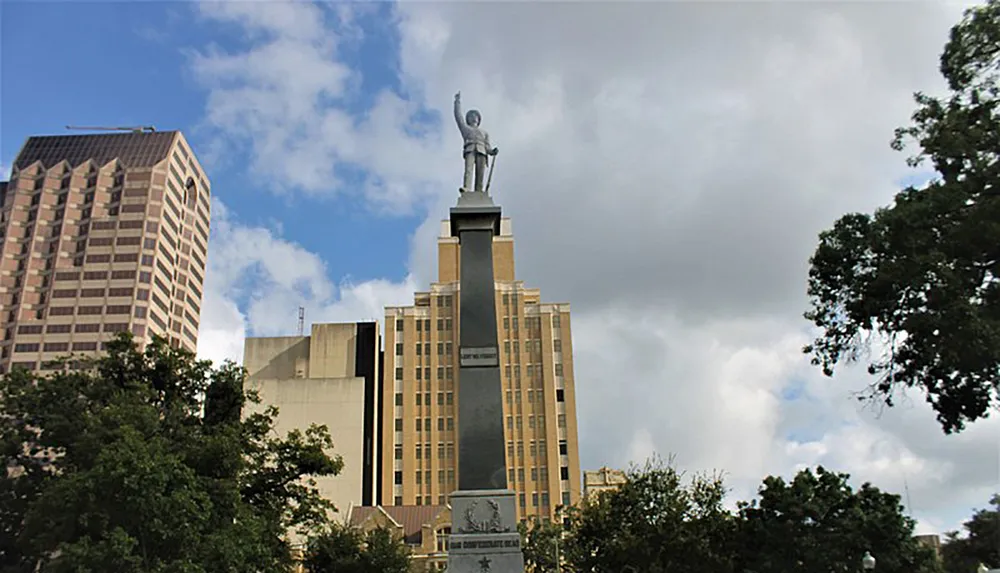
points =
(868, 562)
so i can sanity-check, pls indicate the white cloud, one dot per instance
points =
(668, 167)
(257, 280)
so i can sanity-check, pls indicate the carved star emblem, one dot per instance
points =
(484, 564)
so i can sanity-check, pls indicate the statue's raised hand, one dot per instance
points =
(458, 96)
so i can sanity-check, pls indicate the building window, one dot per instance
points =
(556, 345)
(399, 398)
(563, 448)
(419, 422)
(419, 451)
(399, 374)
(565, 498)
(399, 349)
(440, 424)
(399, 325)
(562, 420)
(419, 325)
(564, 473)
(419, 349)
(534, 498)
(418, 372)
(560, 395)
(442, 534)
(399, 452)
(398, 500)
(559, 369)
(398, 478)
(451, 424)
(399, 424)
(420, 399)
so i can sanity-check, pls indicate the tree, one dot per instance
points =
(121, 467)
(980, 545)
(653, 523)
(540, 541)
(342, 549)
(922, 276)
(817, 523)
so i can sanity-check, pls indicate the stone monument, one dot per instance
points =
(484, 537)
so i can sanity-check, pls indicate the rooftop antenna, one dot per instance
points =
(133, 129)
(302, 320)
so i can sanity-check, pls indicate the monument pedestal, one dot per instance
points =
(484, 535)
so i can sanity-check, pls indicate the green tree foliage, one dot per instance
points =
(981, 543)
(346, 550)
(654, 523)
(143, 463)
(922, 276)
(818, 523)
(540, 541)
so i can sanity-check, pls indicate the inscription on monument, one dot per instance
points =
(470, 356)
(486, 544)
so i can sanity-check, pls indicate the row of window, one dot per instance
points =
(425, 398)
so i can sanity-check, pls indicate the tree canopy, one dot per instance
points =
(818, 523)
(146, 463)
(658, 521)
(345, 550)
(655, 522)
(918, 281)
(541, 542)
(981, 543)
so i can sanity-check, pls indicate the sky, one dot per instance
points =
(667, 168)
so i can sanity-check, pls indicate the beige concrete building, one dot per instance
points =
(419, 394)
(329, 377)
(101, 234)
(604, 479)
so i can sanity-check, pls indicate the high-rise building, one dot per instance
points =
(101, 234)
(330, 377)
(419, 392)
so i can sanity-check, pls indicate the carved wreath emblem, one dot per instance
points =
(492, 525)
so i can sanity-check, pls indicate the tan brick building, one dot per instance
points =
(101, 234)
(419, 394)
(604, 479)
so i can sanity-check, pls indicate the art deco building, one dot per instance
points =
(101, 234)
(420, 390)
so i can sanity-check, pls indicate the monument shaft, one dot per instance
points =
(481, 461)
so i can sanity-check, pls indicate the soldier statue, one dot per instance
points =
(476, 149)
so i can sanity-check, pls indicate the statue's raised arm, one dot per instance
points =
(459, 119)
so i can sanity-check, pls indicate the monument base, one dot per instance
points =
(484, 536)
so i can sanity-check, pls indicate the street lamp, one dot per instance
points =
(868, 562)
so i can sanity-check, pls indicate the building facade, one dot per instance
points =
(604, 479)
(420, 390)
(101, 234)
(425, 529)
(329, 377)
